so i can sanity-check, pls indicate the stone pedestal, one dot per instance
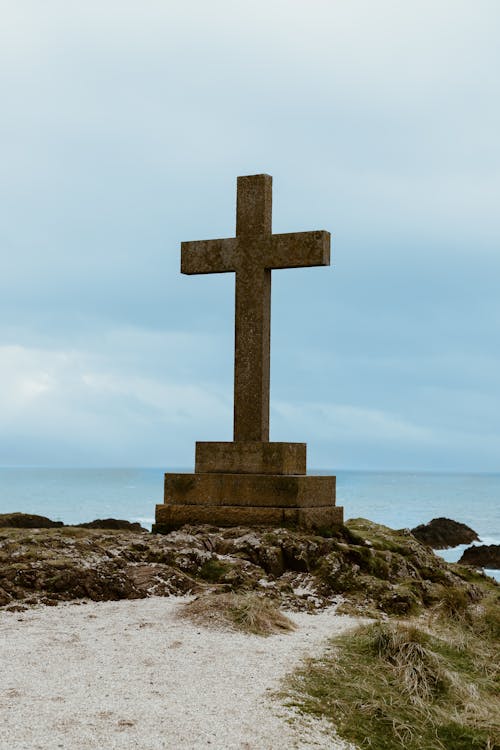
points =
(245, 457)
(248, 484)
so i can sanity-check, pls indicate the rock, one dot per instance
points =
(112, 523)
(443, 533)
(32, 521)
(251, 547)
(482, 556)
(5, 598)
(369, 567)
(103, 582)
(28, 521)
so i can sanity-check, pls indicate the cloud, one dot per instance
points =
(87, 406)
(124, 125)
(345, 436)
(327, 421)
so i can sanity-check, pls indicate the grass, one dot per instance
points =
(248, 612)
(389, 686)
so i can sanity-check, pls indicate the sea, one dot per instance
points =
(395, 498)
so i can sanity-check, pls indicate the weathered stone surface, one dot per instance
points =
(277, 251)
(170, 517)
(251, 256)
(482, 556)
(443, 533)
(251, 480)
(258, 490)
(371, 567)
(27, 521)
(250, 458)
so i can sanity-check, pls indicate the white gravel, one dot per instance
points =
(131, 675)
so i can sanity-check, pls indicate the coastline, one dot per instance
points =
(395, 499)
(453, 554)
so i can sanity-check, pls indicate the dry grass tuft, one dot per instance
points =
(247, 612)
(420, 671)
(391, 686)
(454, 603)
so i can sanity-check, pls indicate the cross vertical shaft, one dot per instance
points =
(251, 256)
(252, 344)
(253, 311)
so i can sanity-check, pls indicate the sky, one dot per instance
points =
(123, 128)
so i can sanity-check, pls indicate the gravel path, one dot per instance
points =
(131, 675)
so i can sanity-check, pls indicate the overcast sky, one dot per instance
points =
(123, 127)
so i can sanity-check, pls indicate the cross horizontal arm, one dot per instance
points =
(209, 256)
(299, 249)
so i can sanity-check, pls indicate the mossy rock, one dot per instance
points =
(213, 570)
(374, 567)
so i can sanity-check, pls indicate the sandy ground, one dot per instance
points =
(130, 674)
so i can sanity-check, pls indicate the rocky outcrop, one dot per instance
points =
(112, 523)
(32, 521)
(482, 556)
(362, 566)
(443, 533)
(27, 521)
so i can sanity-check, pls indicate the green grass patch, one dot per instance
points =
(389, 686)
(213, 570)
(381, 537)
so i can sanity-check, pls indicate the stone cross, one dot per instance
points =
(251, 481)
(251, 255)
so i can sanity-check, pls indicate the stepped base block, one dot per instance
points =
(251, 458)
(256, 490)
(233, 499)
(171, 517)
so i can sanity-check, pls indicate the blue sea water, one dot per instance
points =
(396, 499)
